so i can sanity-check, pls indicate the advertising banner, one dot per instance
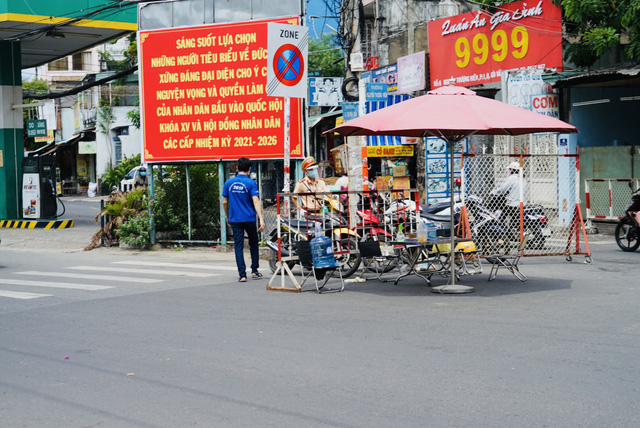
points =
(411, 75)
(474, 47)
(325, 91)
(204, 95)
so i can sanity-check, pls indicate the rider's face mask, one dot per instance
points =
(313, 173)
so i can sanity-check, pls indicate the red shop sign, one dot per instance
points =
(474, 47)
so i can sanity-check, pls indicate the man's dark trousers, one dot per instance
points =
(238, 240)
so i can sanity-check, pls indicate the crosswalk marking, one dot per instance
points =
(22, 295)
(145, 271)
(186, 265)
(69, 285)
(83, 276)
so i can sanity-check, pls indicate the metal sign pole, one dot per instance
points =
(287, 156)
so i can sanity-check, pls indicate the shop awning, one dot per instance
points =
(316, 119)
(69, 141)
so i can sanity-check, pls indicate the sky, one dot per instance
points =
(317, 26)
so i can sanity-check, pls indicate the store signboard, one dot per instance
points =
(48, 137)
(36, 128)
(389, 151)
(204, 94)
(350, 111)
(87, 148)
(376, 92)
(475, 47)
(546, 104)
(387, 74)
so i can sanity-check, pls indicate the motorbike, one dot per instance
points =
(292, 231)
(489, 228)
(628, 228)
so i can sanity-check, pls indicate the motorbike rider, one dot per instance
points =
(510, 189)
(311, 183)
(141, 178)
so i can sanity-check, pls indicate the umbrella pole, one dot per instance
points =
(452, 287)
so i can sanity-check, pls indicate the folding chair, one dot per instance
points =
(508, 261)
(370, 250)
(322, 274)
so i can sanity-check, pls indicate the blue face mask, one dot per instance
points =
(142, 174)
(313, 173)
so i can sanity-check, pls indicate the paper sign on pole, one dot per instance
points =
(287, 51)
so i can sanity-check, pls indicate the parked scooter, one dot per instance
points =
(293, 231)
(628, 228)
(489, 228)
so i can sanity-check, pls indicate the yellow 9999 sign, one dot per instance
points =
(499, 46)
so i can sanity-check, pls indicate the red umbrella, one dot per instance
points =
(451, 113)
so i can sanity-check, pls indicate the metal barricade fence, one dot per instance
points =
(607, 198)
(346, 217)
(547, 208)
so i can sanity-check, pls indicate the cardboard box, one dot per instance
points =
(382, 183)
(400, 171)
(339, 159)
(401, 183)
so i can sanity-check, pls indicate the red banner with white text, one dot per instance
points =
(204, 97)
(473, 48)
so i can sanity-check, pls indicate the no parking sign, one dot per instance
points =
(287, 50)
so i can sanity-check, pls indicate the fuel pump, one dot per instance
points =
(39, 198)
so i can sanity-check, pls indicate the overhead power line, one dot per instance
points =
(79, 89)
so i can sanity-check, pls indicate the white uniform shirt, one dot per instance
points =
(511, 188)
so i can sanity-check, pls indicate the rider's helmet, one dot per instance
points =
(514, 166)
(466, 247)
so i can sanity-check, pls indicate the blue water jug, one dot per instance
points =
(322, 252)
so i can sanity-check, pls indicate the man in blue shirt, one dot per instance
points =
(241, 202)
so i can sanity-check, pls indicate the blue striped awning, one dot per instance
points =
(386, 140)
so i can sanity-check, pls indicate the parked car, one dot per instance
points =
(133, 177)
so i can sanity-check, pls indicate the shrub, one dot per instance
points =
(114, 174)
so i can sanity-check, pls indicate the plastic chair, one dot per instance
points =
(322, 274)
(509, 262)
(370, 250)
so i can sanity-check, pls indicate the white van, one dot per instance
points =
(128, 181)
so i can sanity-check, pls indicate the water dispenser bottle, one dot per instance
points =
(322, 252)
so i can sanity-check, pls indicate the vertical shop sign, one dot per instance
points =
(204, 95)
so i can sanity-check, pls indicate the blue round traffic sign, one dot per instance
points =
(288, 65)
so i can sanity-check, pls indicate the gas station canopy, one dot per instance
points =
(49, 30)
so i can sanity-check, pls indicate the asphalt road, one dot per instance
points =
(160, 348)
